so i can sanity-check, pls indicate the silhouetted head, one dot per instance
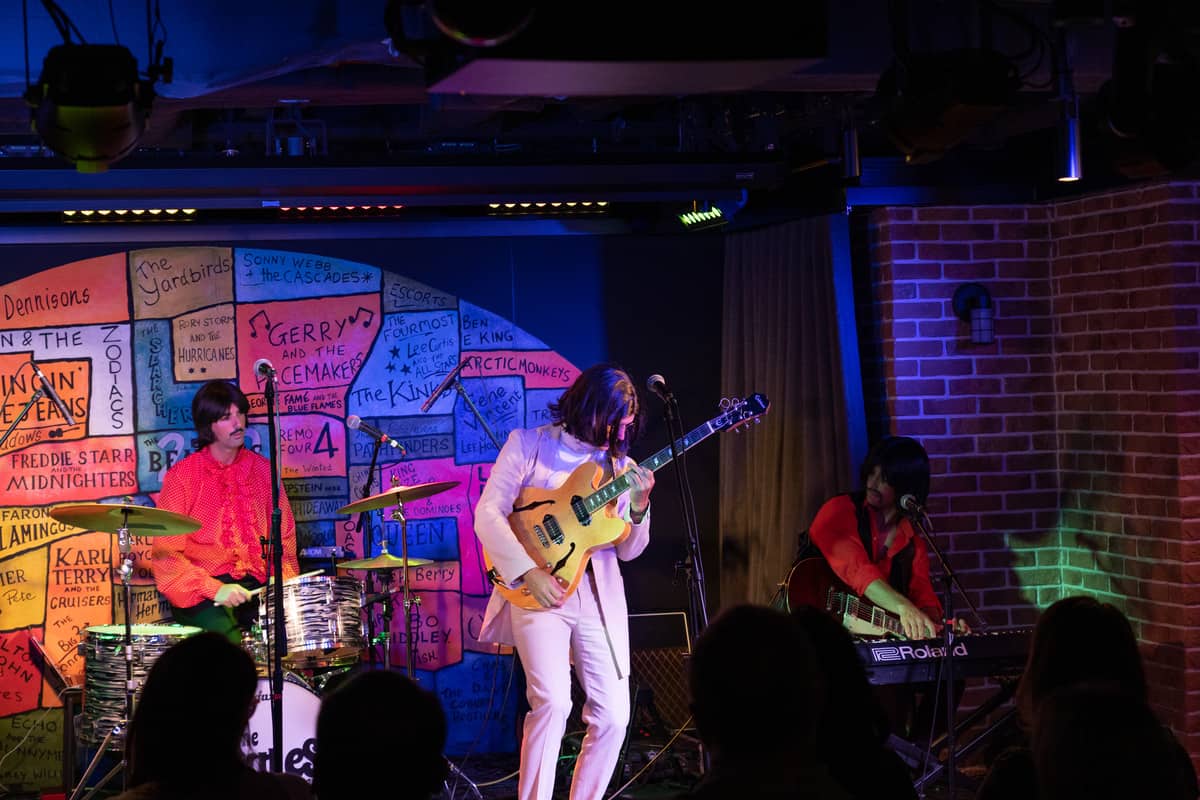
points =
(197, 699)
(211, 402)
(1078, 640)
(755, 686)
(597, 406)
(903, 463)
(851, 709)
(1097, 741)
(379, 735)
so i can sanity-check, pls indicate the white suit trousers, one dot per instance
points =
(548, 641)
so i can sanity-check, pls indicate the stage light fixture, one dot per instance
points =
(702, 216)
(89, 105)
(1069, 134)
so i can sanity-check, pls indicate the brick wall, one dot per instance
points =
(1065, 453)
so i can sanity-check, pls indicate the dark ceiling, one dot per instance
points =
(323, 84)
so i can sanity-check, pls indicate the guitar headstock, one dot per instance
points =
(737, 411)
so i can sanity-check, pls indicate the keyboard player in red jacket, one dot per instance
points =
(877, 551)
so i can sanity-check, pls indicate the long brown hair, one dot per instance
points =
(592, 409)
(1066, 648)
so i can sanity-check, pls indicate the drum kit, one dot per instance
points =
(322, 615)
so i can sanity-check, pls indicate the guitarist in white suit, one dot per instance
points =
(592, 423)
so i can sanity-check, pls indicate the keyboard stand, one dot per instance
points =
(999, 698)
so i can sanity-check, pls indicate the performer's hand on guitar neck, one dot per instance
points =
(549, 590)
(641, 483)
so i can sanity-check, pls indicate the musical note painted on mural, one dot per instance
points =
(266, 323)
(370, 316)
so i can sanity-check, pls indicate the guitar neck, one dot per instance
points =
(618, 486)
(873, 615)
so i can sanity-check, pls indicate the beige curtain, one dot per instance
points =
(781, 339)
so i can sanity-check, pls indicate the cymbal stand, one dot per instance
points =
(125, 545)
(409, 601)
(459, 775)
(367, 530)
(385, 634)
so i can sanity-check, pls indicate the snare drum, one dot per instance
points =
(322, 619)
(300, 707)
(104, 672)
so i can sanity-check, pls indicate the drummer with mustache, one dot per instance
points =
(207, 576)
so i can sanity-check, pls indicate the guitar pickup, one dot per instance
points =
(554, 529)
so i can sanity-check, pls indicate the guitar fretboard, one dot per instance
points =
(871, 614)
(615, 488)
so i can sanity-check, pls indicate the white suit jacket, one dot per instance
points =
(545, 457)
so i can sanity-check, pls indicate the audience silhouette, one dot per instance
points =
(1077, 642)
(379, 735)
(185, 738)
(1098, 741)
(756, 696)
(852, 713)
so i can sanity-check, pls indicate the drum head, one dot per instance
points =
(107, 631)
(300, 707)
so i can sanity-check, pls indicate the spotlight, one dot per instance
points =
(1070, 140)
(1070, 143)
(89, 105)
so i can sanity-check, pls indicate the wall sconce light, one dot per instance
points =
(973, 304)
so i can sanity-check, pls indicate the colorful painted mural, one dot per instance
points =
(126, 339)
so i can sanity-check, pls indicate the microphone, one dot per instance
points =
(658, 384)
(354, 422)
(53, 395)
(440, 390)
(910, 504)
(264, 367)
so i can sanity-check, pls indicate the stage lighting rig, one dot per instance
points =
(90, 104)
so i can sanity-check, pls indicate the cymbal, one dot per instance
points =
(111, 517)
(397, 495)
(383, 561)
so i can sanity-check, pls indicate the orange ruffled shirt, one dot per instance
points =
(233, 506)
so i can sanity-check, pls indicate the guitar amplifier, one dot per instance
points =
(660, 645)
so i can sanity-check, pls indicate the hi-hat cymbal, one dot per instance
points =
(112, 517)
(397, 495)
(383, 561)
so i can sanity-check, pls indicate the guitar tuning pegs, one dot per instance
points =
(724, 404)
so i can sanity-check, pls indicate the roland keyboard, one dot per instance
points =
(976, 655)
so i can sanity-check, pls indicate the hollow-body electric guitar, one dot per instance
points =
(560, 528)
(813, 583)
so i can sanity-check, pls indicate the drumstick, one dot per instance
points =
(261, 589)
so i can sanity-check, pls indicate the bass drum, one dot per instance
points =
(300, 707)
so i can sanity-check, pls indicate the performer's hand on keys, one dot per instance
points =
(916, 623)
(547, 589)
(231, 594)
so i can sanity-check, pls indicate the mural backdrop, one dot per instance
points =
(127, 338)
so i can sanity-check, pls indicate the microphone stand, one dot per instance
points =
(280, 638)
(38, 394)
(949, 580)
(368, 533)
(693, 564)
(458, 387)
